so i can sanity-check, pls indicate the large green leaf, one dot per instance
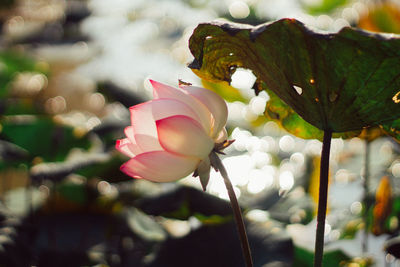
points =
(304, 258)
(41, 136)
(12, 63)
(324, 6)
(278, 111)
(349, 80)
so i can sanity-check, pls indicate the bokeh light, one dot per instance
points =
(239, 9)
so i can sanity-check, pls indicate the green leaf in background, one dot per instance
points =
(213, 219)
(12, 63)
(73, 192)
(59, 170)
(18, 106)
(324, 6)
(106, 170)
(381, 17)
(228, 92)
(183, 212)
(338, 82)
(304, 258)
(41, 136)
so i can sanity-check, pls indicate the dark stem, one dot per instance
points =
(322, 199)
(236, 209)
(366, 200)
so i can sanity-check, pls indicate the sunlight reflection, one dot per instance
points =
(396, 169)
(92, 122)
(243, 79)
(339, 24)
(286, 180)
(28, 83)
(297, 158)
(257, 105)
(45, 190)
(257, 215)
(194, 223)
(264, 145)
(107, 189)
(389, 258)
(313, 147)
(55, 105)
(15, 27)
(241, 138)
(396, 98)
(272, 128)
(350, 14)
(361, 8)
(386, 152)
(96, 101)
(356, 145)
(261, 159)
(248, 114)
(328, 228)
(272, 144)
(356, 208)
(224, 194)
(285, 165)
(216, 184)
(298, 89)
(324, 22)
(259, 180)
(117, 110)
(239, 10)
(337, 145)
(235, 111)
(286, 143)
(177, 228)
(342, 176)
(334, 235)
(238, 168)
(253, 144)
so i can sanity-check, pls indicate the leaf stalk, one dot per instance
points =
(322, 199)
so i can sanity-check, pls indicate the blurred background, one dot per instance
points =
(69, 71)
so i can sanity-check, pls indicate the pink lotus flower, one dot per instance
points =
(172, 135)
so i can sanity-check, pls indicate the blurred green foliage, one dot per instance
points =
(42, 137)
(324, 6)
(304, 258)
(381, 17)
(6, 4)
(12, 63)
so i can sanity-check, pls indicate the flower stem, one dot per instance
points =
(236, 209)
(323, 197)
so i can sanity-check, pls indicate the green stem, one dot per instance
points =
(236, 209)
(366, 200)
(323, 198)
